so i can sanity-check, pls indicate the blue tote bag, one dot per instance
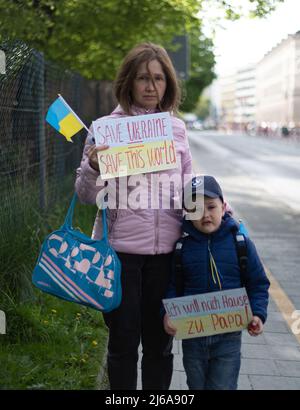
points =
(79, 269)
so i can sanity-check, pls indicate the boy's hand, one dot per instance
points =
(169, 328)
(255, 327)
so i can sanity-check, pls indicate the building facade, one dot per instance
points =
(227, 100)
(264, 96)
(237, 98)
(245, 98)
(278, 85)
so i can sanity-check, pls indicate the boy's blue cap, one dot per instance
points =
(205, 185)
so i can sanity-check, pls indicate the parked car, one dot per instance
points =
(198, 125)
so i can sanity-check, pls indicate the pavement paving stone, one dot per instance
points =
(296, 301)
(176, 347)
(285, 339)
(244, 382)
(272, 307)
(270, 352)
(276, 317)
(286, 272)
(259, 367)
(291, 289)
(254, 351)
(260, 340)
(175, 383)
(288, 367)
(275, 326)
(178, 381)
(177, 364)
(274, 382)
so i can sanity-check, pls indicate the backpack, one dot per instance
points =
(239, 236)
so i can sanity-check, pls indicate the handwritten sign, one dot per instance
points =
(137, 144)
(210, 313)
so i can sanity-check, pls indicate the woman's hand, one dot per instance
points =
(255, 327)
(228, 208)
(169, 328)
(92, 155)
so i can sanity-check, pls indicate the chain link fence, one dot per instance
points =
(36, 162)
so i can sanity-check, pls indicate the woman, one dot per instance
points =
(144, 237)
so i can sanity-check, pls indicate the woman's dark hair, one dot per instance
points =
(144, 53)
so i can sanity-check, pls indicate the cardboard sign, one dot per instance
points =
(210, 313)
(137, 144)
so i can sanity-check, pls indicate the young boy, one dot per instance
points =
(209, 263)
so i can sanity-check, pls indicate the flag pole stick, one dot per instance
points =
(65, 102)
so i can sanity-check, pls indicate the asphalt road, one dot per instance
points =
(271, 164)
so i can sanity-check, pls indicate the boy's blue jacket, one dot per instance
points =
(196, 266)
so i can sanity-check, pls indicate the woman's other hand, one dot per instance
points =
(92, 155)
(169, 328)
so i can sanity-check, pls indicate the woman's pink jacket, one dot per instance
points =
(155, 226)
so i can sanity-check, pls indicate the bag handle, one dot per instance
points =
(69, 217)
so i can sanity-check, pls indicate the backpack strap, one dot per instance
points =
(241, 249)
(179, 282)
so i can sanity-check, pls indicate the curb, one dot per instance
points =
(102, 378)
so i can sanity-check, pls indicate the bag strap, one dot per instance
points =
(241, 249)
(179, 282)
(68, 224)
(69, 216)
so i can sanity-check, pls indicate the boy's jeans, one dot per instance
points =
(212, 362)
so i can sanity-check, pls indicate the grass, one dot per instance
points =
(63, 347)
(49, 343)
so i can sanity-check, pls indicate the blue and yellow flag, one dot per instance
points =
(61, 117)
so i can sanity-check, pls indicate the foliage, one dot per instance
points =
(92, 37)
(257, 8)
(201, 71)
(202, 107)
(51, 344)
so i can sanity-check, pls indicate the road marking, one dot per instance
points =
(282, 300)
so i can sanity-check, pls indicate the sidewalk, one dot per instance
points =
(270, 361)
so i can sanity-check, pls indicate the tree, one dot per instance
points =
(201, 72)
(92, 37)
(202, 107)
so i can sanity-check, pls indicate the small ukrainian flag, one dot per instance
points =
(61, 117)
